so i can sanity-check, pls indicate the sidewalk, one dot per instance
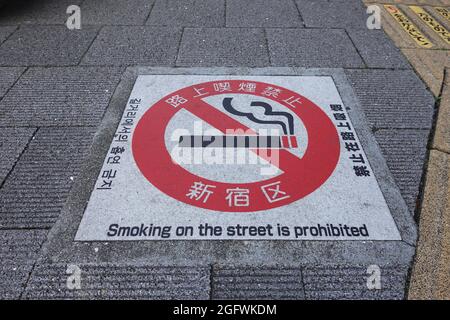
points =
(56, 85)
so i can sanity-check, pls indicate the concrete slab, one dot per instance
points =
(36, 12)
(59, 97)
(333, 14)
(339, 282)
(188, 13)
(212, 190)
(38, 186)
(393, 98)
(110, 12)
(124, 282)
(14, 141)
(223, 47)
(430, 275)
(263, 13)
(46, 46)
(18, 252)
(256, 283)
(119, 46)
(312, 48)
(6, 31)
(8, 75)
(62, 249)
(405, 153)
(377, 50)
(430, 66)
(441, 139)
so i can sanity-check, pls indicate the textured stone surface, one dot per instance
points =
(263, 13)
(441, 139)
(393, 98)
(429, 2)
(46, 46)
(257, 283)
(312, 48)
(333, 14)
(7, 78)
(434, 37)
(36, 11)
(431, 272)
(112, 12)
(36, 189)
(134, 46)
(350, 282)
(405, 153)
(108, 281)
(188, 13)
(223, 47)
(20, 245)
(5, 32)
(12, 144)
(59, 97)
(396, 32)
(430, 65)
(377, 50)
(18, 251)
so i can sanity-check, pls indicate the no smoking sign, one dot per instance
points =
(228, 157)
(299, 175)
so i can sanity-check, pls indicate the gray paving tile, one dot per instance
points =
(258, 283)
(393, 98)
(20, 245)
(46, 46)
(188, 13)
(405, 154)
(18, 252)
(59, 97)
(377, 50)
(12, 144)
(13, 278)
(113, 12)
(37, 188)
(7, 78)
(223, 47)
(5, 32)
(333, 13)
(108, 281)
(263, 13)
(350, 282)
(147, 45)
(36, 11)
(312, 48)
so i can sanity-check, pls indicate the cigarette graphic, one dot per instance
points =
(228, 141)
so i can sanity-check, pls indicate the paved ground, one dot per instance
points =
(55, 85)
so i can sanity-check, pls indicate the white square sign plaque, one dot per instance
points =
(236, 158)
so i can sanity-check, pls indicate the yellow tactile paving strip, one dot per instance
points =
(430, 278)
(420, 28)
(432, 23)
(442, 3)
(429, 64)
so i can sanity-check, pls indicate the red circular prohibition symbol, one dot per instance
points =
(299, 177)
